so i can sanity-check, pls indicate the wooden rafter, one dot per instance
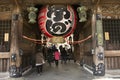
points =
(92, 4)
(22, 2)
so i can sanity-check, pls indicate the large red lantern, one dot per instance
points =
(57, 20)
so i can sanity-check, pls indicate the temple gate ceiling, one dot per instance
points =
(87, 2)
(108, 7)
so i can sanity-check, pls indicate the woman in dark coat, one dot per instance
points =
(39, 62)
(50, 57)
(64, 55)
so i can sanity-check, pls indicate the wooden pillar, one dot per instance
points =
(81, 50)
(98, 49)
(15, 57)
(77, 52)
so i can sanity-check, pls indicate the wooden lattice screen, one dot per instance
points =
(5, 28)
(111, 28)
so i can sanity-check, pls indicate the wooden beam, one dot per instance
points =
(4, 55)
(110, 2)
(5, 15)
(14, 49)
(98, 2)
(2, 2)
(56, 1)
(88, 23)
(17, 5)
(112, 53)
(22, 2)
(95, 1)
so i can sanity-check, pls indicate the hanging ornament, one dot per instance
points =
(32, 14)
(56, 40)
(82, 13)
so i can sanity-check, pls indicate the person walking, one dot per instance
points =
(50, 57)
(64, 55)
(57, 57)
(61, 53)
(39, 62)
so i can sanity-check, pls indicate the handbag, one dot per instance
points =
(43, 61)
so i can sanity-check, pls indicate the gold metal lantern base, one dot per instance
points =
(56, 40)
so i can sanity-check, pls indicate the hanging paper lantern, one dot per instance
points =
(57, 20)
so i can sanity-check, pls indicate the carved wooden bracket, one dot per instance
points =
(4, 8)
(111, 10)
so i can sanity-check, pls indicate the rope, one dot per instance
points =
(44, 41)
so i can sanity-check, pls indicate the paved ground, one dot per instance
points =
(69, 71)
(4, 76)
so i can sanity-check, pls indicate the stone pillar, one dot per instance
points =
(98, 49)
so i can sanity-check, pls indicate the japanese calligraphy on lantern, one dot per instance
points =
(57, 20)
